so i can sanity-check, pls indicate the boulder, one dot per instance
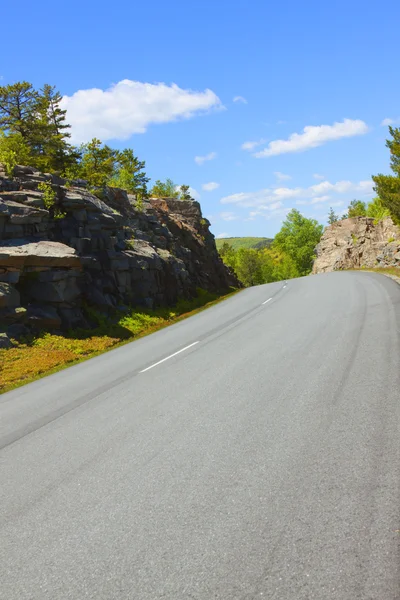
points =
(23, 253)
(9, 296)
(5, 341)
(43, 317)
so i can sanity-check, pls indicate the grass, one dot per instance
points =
(48, 353)
(384, 270)
(244, 242)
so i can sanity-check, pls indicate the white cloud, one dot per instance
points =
(316, 200)
(314, 194)
(282, 176)
(202, 159)
(228, 216)
(314, 136)
(209, 187)
(386, 122)
(240, 99)
(251, 145)
(318, 176)
(129, 107)
(220, 236)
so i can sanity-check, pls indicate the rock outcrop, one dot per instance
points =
(100, 250)
(356, 243)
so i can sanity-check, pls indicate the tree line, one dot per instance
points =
(291, 254)
(293, 249)
(34, 131)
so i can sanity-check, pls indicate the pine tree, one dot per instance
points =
(332, 217)
(130, 174)
(52, 132)
(184, 193)
(98, 163)
(18, 104)
(388, 186)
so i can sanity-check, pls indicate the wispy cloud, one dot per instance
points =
(200, 160)
(240, 100)
(314, 136)
(228, 216)
(387, 122)
(318, 176)
(314, 194)
(129, 107)
(282, 176)
(211, 186)
(220, 236)
(251, 145)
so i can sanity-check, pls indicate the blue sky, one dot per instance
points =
(311, 82)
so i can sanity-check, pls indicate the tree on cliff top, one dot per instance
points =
(164, 189)
(37, 117)
(129, 174)
(98, 161)
(357, 208)
(332, 217)
(388, 186)
(298, 238)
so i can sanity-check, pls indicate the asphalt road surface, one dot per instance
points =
(260, 460)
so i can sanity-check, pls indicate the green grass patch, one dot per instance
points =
(244, 242)
(48, 353)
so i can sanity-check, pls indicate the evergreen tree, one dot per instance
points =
(184, 193)
(130, 174)
(332, 217)
(357, 208)
(18, 103)
(388, 186)
(98, 162)
(53, 132)
(166, 189)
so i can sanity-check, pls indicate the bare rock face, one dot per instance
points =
(358, 242)
(101, 250)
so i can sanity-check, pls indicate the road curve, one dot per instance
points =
(251, 451)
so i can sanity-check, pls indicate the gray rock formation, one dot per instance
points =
(356, 243)
(103, 252)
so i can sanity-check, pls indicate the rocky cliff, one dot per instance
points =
(356, 243)
(99, 251)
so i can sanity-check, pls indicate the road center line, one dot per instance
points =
(168, 357)
(269, 300)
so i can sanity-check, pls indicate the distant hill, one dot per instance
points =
(245, 242)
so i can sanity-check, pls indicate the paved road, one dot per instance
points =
(262, 461)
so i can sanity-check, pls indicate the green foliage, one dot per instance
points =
(49, 199)
(256, 266)
(18, 103)
(38, 118)
(13, 151)
(184, 193)
(332, 217)
(357, 208)
(244, 242)
(298, 238)
(388, 186)
(164, 189)
(376, 210)
(130, 175)
(98, 162)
